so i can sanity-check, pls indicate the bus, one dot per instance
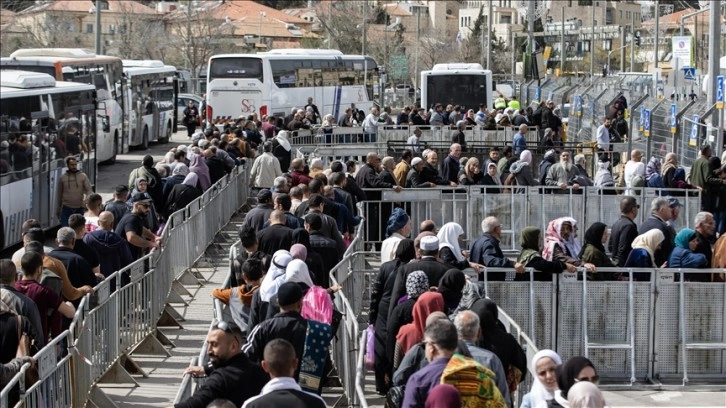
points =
(466, 85)
(274, 82)
(40, 119)
(79, 65)
(150, 96)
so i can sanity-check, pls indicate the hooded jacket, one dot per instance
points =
(113, 250)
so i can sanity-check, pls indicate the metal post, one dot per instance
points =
(592, 46)
(99, 45)
(657, 34)
(714, 37)
(363, 28)
(418, 36)
(514, 52)
(695, 42)
(632, 43)
(562, 43)
(481, 50)
(490, 17)
(622, 49)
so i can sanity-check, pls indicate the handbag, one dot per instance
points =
(394, 397)
(370, 346)
(24, 345)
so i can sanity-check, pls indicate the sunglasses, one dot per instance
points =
(224, 326)
(594, 379)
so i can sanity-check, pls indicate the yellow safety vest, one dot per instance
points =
(514, 104)
(500, 103)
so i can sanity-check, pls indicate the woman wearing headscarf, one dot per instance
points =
(413, 333)
(282, 150)
(471, 174)
(297, 272)
(152, 176)
(522, 170)
(198, 166)
(380, 304)
(530, 257)
(670, 165)
(594, 251)
(683, 255)
(642, 255)
(492, 178)
(314, 260)
(178, 174)
(585, 394)
(451, 286)
(450, 251)
(443, 396)
(544, 386)
(272, 281)
(561, 243)
(495, 339)
(182, 194)
(397, 228)
(577, 369)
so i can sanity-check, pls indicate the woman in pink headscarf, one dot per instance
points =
(561, 243)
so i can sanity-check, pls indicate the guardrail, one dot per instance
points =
(100, 339)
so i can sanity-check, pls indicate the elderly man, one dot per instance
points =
(704, 226)
(414, 141)
(459, 136)
(388, 164)
(660, 213)
(367, 176)
(560, 174)
(486, 250)
(398, 228)
(519, 142)
(113, 250)
(229, 368)
(413, 179)
(79, 271)
(450, 167)
(624, 231)
(429, 172)
(265, 168)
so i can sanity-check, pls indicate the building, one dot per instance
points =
(506, 18)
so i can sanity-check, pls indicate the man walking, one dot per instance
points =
(73, 186)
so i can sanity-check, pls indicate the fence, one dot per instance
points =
(101, 338)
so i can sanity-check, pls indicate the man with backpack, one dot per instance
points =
(474, 382)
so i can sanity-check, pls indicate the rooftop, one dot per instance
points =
(85, 6)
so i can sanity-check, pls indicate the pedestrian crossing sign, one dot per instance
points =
(689, 73)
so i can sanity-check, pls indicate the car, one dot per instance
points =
(183, 101)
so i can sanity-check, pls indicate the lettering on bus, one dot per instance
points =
(248, 106)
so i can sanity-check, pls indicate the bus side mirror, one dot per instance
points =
(105, 119)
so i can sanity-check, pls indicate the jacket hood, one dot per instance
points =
(104, 241)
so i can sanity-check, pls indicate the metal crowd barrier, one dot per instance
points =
(101, 338)
(186, 389)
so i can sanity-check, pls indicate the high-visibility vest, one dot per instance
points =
(514, 104)
(500, 103)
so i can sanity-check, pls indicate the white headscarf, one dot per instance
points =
(449, 237)
(297, 271)
(649, 241)
(275, 276)
(539, 393)
(282, 139)
(572, 243)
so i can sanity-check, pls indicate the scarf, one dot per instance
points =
(649, 241)
(568, 373)
(585, 395)
(191, 180)
(297, 271)
(529, 241)
(684, 237)
(411, 334)
(671, 162)
(180, 169)
(198, 166)
(593, 236)
(449, 237)
(539, 393)
(553, 238)
(274, 277)
(450, 287)
(396, 221)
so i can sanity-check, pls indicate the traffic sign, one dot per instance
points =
(693, 140)
(537, 94)
(673, 118)
(719, 91)
(689, 73)
(578, 105)
(641, 123)
(647, 123)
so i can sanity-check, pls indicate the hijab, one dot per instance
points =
(191, 180)
(405, 251)
(180, 169)
(411, 334)
(553, 238)
(567, 375)
(416, 284)
(450, 287)
(197, 165)
(585, 395)
(649, 241)
(282, 139)
(572, 243)
(443, 396)
(275, 275)
(496, 177)
(526, 157)
(529, 241)
(449, 237)
(539, 393)
(298, 251)
(301, 236)
(593, 236)
(671, 162)
(297, 271)
(685, 236)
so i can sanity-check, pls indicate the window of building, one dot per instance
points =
(89, 28)
(505, 19)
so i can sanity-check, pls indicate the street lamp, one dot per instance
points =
(611, 53)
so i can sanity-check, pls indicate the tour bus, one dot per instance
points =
(151, 92)
(42, 121)
(78, 65)
(274, 82)
(466, 85)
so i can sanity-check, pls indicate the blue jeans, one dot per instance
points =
(66, 213)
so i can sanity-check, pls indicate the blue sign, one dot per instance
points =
(719, 91)
(689, 73)
(693, 140)
(673, 118)
(641, 123)
(537, 94)
(578, 105)
(647, 123)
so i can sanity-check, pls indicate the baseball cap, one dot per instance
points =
(141, 198)
(673, 202)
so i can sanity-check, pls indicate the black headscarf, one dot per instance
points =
(593, 236)
(450, 287)
(568, 372)
(301, 236)
(493, 337)
(405, 251)
(148, 161)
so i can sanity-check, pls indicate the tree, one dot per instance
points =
(136, 37)
(342, 22)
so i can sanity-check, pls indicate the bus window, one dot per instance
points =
(250, 68)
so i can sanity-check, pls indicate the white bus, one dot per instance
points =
(272, 83)
(40, 119)
(150, 96)
(78, 65)
(466, 85)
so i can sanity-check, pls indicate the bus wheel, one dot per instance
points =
(145, 139)
(167, 136)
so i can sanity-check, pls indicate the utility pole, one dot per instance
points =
(99, 45)
(592, 46)
(622, 48)
(714, 45)
(632, 43)
(418, 35)
(363, 28)
(490, 17)
(562, 43)
(512, 45)
(657, 34)
(481, 49)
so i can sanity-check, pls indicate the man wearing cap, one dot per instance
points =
(413, 178)
(131, 227)
(486, 250)
(232, 375)
(257, 216)
(429, 264)
(398, 227)
(288, 324)
(675, 206)
(72, 186)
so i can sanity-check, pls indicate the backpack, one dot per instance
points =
(656, 180)
(317, 305)
(475, 383)
(52, 281)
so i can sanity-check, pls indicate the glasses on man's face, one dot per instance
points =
(595, 379)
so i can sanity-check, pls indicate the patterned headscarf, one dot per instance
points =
(416, 284)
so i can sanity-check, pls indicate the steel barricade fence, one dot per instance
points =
(187, 386)
(17, 383)
(530, 349)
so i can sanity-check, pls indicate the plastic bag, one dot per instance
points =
(370, 346)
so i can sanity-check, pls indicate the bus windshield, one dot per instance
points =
(464, 90)
(236, 67)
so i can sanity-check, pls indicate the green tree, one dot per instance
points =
(283, 4)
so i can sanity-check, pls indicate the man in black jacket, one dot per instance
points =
(429, 173)
(277, 236)
(486, 250)
(79, 271)
(624, 231)
(257, 216)
(367, 176)
(322, 245)
(450, 167)
(232, 375)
